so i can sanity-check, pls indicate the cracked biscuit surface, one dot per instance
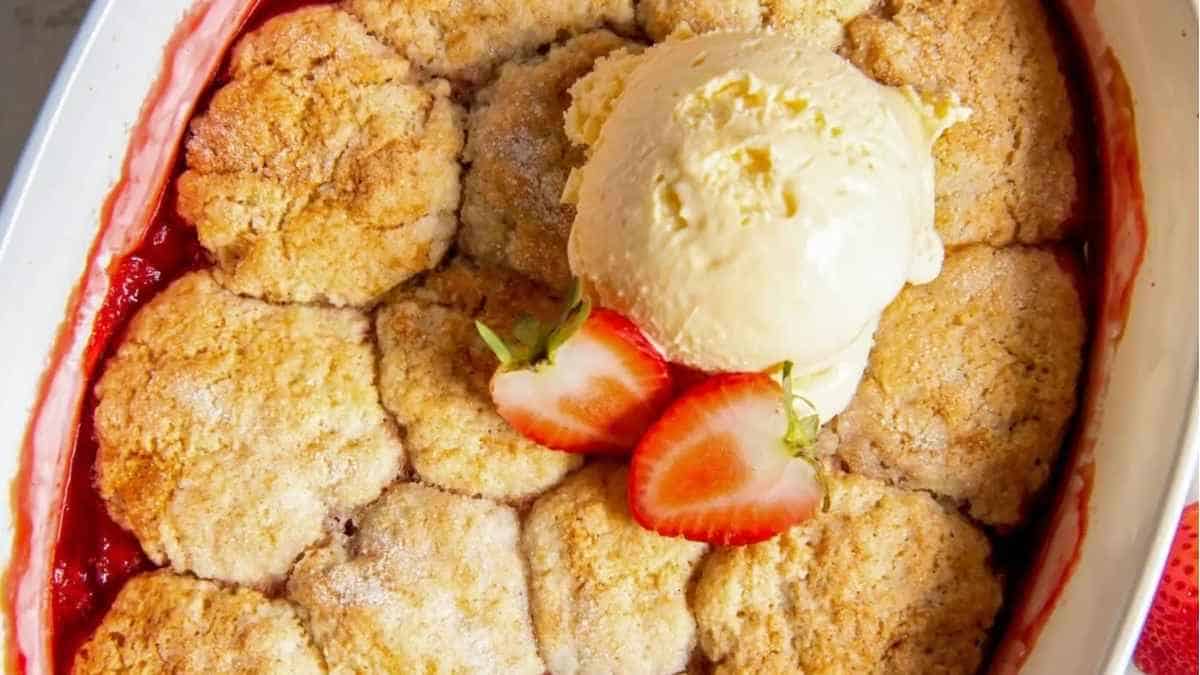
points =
(816, 21)
(466, 39)
(431, 582)
(324, 170)
(607, 595)
(886, 581)
(519, 153)
(1007, 174)
(972, 380)
(434, 377)
(230, 429)
(165, 623)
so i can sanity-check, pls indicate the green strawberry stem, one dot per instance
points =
(802, 430)
(533, 343)
(576, 310)
(495, 343)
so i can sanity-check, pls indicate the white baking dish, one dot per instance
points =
(1145, 439)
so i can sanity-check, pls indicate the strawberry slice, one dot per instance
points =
(730, 462)
(1168, 642)
(591, 384)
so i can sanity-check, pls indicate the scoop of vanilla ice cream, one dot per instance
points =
(749, 199)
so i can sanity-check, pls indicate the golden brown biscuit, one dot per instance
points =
(972, 381)
(465, 39)
(520, 157)
(817, 21)
(607, 595)
(230, 429)
(165, 623)
(324, 170)
(1007, 174)
(434, 377)
(887, 581)
(430, 583)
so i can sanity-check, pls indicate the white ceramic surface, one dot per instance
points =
(51, 215)
(52, 208)
(1147, 449)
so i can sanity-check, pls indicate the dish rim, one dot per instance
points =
(1187, 447)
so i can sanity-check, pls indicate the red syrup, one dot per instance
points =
(91, 556)
(1119, 250)
(94, 556)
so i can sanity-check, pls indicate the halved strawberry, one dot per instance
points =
(686, 377)
(592, 384)
(728, 463)
(1168, 642)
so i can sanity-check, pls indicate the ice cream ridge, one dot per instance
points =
(749, 199)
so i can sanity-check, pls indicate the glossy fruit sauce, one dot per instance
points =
(93, 556)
